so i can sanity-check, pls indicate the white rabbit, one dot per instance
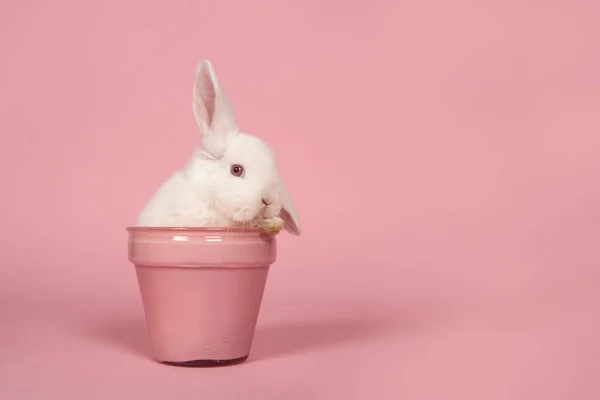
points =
(232, 181)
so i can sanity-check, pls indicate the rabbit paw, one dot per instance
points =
(272, 225)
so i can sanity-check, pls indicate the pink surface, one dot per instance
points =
(443, 156)
(201, 289)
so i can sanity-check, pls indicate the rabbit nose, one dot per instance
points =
(265, 202)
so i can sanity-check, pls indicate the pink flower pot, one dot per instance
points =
(201, 289)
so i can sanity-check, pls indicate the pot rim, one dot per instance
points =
(189, 229)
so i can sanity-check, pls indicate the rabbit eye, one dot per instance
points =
(237, 170)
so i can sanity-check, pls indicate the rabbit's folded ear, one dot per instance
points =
(288, 213)
(212, 109)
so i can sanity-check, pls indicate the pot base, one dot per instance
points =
(206, 363)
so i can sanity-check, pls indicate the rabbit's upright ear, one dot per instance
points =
(288, 212)
(212, 109)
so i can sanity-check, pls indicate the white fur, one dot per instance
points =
(205, 193)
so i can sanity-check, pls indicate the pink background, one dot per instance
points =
(443, 156)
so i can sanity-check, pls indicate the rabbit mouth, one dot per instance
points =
(254, 213)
